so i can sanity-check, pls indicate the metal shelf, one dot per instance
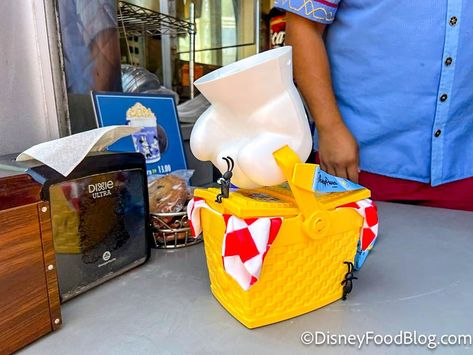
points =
(139, 21)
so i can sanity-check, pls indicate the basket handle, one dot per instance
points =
(317, 216)
(300, 178)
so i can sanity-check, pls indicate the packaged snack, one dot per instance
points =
(168, 198)
(167, 194)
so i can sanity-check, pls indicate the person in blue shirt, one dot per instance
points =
(390, 87)
(91, 45)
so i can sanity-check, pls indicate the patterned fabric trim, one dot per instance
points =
(322, 11)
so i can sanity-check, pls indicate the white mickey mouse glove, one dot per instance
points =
(255, 110)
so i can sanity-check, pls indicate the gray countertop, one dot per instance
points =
(418, 278)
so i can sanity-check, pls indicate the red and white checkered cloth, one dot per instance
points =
(369, 231)
(247, 241)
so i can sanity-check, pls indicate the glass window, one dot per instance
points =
(225, 31)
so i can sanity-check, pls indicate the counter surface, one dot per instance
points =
(418, 278)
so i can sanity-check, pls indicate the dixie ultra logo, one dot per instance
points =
(101, 189)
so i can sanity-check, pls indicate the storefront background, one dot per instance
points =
(28, 112)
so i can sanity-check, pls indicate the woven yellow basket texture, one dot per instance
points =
(304, 267)
(299, 274)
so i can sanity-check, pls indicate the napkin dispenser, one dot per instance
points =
(99, 216)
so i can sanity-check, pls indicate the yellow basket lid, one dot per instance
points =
(289, 199)
(250, 203)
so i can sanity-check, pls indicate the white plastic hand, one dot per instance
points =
(255, 110)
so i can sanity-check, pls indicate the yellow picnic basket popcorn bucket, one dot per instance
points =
(305, 266)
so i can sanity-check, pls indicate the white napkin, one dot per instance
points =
(64, 154)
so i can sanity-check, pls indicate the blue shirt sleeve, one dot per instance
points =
(322, 11)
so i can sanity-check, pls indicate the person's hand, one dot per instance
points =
(338, 152)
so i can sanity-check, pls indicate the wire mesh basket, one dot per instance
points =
(172, 230)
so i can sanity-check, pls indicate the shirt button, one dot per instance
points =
(444, 97)
(437, 133)
(448, 61)
(453, 21)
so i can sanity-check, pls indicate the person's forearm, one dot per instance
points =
(312, 71)
(106, 51)
(337, 148)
